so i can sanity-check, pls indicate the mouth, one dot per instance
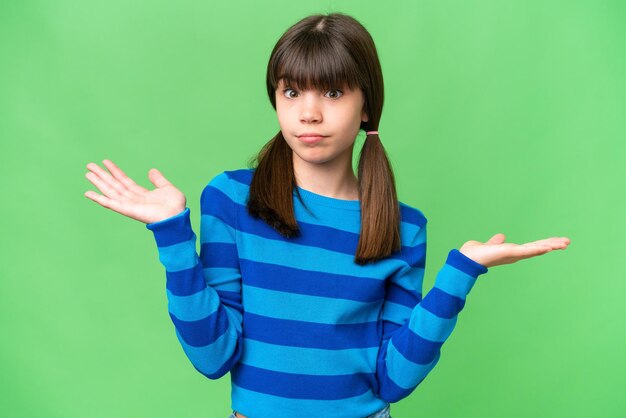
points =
(311, 138)
(310, 134)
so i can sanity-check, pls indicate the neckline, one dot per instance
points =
(310, 197)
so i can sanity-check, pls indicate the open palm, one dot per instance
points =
(495, 251)
(121, 194)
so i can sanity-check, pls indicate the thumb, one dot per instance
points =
(157, 178)
(496, 239)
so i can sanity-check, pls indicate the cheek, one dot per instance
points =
(352, 118)
(281, 115)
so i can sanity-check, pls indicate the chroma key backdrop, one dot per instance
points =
(499, 117)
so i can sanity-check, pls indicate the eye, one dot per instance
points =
(335, 96)
(288, 89)
(291, 93)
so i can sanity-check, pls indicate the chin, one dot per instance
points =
(314, 159)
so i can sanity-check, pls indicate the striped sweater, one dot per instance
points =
(303, 330)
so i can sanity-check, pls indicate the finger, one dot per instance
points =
(122, 177)
(103, 201)
(554, 242)
(496, 239)
(157, 178)
(563, 240)
(107, 178)
(532, 250)
(104, 187)
(560, 243)
(554, 239)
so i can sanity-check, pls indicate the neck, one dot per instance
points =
(334, 179)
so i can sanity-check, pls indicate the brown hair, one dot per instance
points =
(325, 51)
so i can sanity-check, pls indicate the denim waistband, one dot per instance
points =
(383, 413)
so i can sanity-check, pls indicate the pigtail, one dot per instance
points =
(272, 186)
(380, 210)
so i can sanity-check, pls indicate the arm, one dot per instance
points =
(415, 329)
(204, 294)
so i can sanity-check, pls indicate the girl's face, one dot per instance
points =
(335, 114)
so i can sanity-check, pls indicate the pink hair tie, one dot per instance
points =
(371, 132)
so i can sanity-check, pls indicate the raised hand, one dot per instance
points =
(121, 194)
(496, 252)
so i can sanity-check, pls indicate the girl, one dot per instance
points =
(308, 286)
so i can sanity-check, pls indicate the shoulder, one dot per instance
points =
(412, 215)
(231, 184)
(224, 179)
(412, 228)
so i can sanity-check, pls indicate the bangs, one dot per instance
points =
(314, 61)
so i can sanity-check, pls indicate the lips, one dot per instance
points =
(311, 134)
(311, 137)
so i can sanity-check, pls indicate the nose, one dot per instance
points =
(310, 110)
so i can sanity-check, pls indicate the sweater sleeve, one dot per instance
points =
(415, 329)
(204, 294)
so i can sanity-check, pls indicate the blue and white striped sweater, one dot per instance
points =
(303, 329)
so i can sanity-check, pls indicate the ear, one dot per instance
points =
(364, 116)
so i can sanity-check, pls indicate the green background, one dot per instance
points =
(499, 116)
